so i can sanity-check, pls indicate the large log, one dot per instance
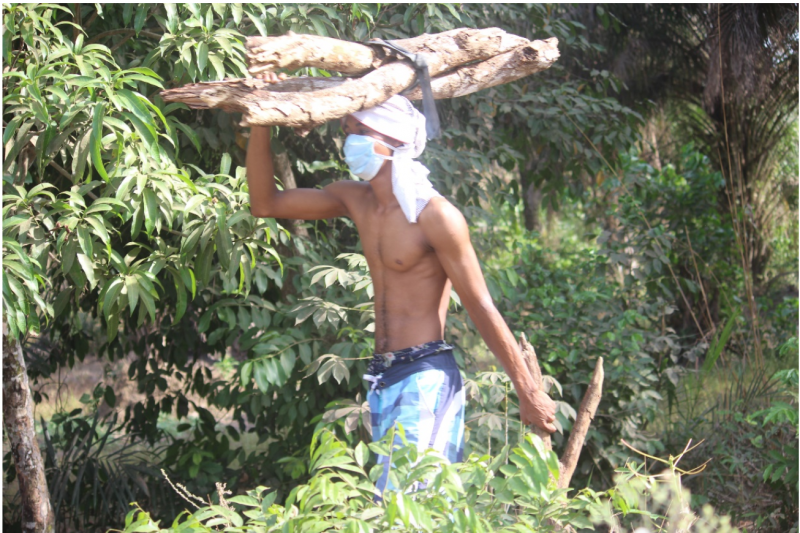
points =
(504, 68)
(293, 51)
(443, 51)
(305, 103)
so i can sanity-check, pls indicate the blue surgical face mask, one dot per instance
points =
(360, 156)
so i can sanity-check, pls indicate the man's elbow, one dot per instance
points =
(263, 210)
(482, 307)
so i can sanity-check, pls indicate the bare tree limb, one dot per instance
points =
(123, 31)
(588, 408)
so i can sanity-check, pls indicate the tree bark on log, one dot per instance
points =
(504, 68)
(305, 103)
(37, 513)
(443, 51)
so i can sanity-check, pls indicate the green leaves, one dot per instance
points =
(22, 282)
(112, 290)
(95, 139)
(202, 57)
(434, 495)
(719, 342)
(269, 372)
(332, 365)
(141, 16)
(151, 212)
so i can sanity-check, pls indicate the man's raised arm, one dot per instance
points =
(447, 232)
(267, 201)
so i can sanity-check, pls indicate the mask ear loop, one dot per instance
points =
(387, 145)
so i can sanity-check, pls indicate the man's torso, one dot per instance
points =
(411, 287)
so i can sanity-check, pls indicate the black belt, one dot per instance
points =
(432, 128)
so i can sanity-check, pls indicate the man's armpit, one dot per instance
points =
(349, 193)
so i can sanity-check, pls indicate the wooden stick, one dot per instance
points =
(577, 437)
(529, 354)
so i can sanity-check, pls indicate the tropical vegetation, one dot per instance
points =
(638, 202)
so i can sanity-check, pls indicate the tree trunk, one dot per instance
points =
(532, 207)
(37, 513)
(305, 103)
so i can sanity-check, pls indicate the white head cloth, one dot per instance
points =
(399, 119)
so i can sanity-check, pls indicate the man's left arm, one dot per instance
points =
(446, 231)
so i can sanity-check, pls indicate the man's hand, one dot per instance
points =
(538, 409)
(271, 77)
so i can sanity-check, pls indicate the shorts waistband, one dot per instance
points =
(382, 361)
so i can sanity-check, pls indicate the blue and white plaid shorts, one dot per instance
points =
(426, 396)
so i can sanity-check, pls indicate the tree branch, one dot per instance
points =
(588, 408)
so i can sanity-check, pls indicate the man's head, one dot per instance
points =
(396, 120)
(380, 134)
(352, 126)
(389, 137)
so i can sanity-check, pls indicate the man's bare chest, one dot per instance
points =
(391, 243)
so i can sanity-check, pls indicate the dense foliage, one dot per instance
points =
(127, 236)
(510, 492)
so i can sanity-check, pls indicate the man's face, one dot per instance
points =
(351, 126)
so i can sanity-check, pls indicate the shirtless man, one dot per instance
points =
(416, 244)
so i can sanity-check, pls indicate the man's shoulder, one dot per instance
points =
(441, 221)
(440, 211)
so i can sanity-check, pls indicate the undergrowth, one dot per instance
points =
(511, 491)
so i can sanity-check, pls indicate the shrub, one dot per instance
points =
(512, 491)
